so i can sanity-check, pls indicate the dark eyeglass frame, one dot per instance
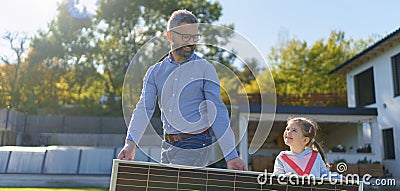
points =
(187, 37)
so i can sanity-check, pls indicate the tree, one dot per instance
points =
(11, 76)
(300, 69)
(63, 57)
(78, 59)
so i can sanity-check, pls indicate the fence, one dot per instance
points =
(17, 128)
(330, 99)
(323, 100)
(19, 122)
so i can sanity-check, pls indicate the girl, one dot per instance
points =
(302, 159)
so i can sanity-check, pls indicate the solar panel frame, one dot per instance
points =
(149, 176)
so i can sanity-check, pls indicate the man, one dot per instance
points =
(188, 92)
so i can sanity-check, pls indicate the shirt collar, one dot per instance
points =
(303, 153)
(171, 59)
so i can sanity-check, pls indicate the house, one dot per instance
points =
(364, 132)
(373, 81)
(353, 128)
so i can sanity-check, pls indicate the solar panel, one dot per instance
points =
(148, 176)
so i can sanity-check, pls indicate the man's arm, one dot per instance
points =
(220, 123)
(140, 117)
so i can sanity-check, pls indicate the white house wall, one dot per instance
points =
(387, 105)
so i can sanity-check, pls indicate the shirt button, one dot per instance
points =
(176, 79)
(170, 110)
(173, 95)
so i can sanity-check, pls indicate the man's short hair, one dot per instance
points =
(181, 16)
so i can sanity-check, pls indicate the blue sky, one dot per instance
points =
(261, 21)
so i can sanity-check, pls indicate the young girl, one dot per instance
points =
(302, 159)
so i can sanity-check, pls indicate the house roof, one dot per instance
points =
(369, 53)
(310, 110)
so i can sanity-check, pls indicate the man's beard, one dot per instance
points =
(183, 53)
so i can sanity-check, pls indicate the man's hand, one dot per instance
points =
(128, 151)
(236, 164)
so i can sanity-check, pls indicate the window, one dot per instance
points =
(365, 88)
(396, 74)
(388, 143)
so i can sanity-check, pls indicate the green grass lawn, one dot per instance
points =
(53, 189)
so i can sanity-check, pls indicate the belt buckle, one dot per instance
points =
(171, 138)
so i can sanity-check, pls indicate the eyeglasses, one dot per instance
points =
(187, 37)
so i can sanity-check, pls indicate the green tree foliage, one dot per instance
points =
(11, 73)
(300, 69)
(76, 60)
(63, 58)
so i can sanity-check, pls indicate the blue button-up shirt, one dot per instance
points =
(189, 99)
